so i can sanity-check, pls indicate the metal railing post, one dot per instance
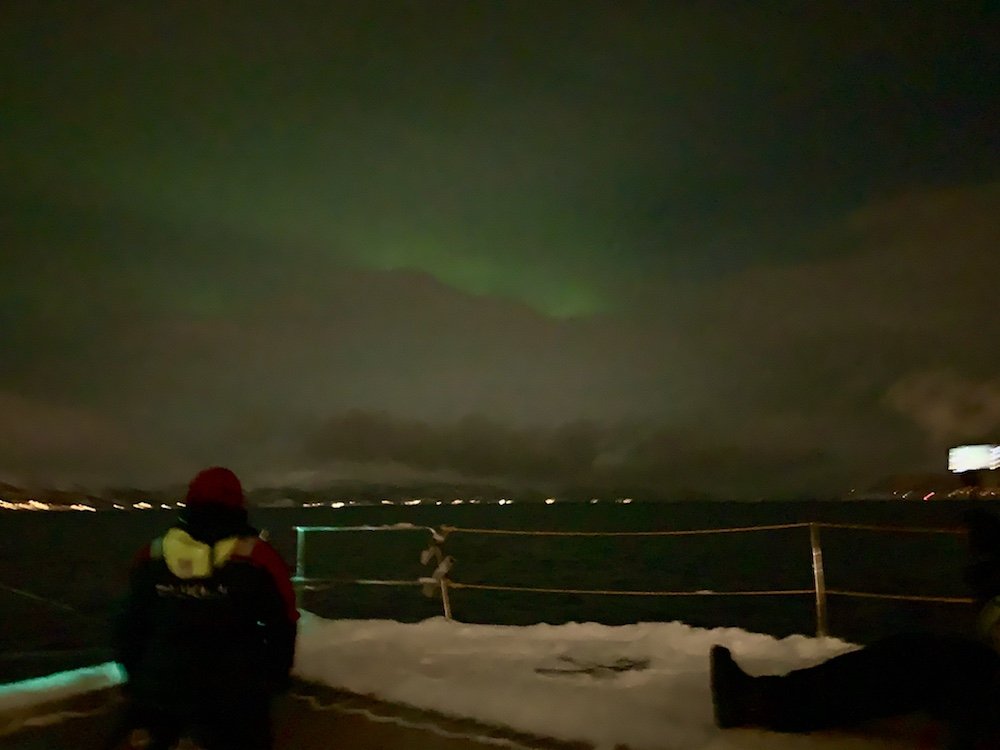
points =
(300, 561)
(445, 600)
(819, 580)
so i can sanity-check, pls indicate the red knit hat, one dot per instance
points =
(215, 485)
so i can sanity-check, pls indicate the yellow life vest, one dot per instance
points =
(188, 558)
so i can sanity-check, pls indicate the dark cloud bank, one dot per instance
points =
(787, 378)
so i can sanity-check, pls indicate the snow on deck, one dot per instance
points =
(645, 686)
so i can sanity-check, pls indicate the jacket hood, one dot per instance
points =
(216, 486)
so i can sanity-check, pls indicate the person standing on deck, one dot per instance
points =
(207, 632)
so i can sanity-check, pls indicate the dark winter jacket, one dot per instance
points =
(210, 614)
(983, 571)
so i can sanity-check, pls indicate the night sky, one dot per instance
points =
(746, 248)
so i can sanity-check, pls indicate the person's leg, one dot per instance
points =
(144, 727)
(122, 729)
(897, 675)
(242, 726)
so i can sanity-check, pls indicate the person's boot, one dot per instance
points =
(739, 699)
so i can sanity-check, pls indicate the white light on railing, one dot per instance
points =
(337, 505)
(457, 502)
(550, 501)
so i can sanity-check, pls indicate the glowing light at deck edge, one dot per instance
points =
(60, 685)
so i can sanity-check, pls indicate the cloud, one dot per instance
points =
(911, 264)
(52, 441)
(947, 406)
(825, 353)
(582, 455)
(474, 446)
(783, 377)
(30, 427)
(773, 379)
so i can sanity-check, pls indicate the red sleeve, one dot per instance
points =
(141, 556)
(268, 558)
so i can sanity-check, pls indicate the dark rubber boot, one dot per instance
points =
(948, 678)
(739, 699)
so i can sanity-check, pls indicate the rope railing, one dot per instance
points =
(621, 592)
(309, 584)
(439, 580)
(448, 530)
(892, 529)
(38, 598)
(902, 597)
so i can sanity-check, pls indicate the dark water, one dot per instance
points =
(81, 561)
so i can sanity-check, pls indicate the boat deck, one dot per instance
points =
(310, 717)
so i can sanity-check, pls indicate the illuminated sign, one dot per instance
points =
(972, 457)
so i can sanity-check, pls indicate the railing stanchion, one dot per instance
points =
(445, 600)
(819, 580)
(300, 561)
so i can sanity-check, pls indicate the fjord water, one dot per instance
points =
(81, 560)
